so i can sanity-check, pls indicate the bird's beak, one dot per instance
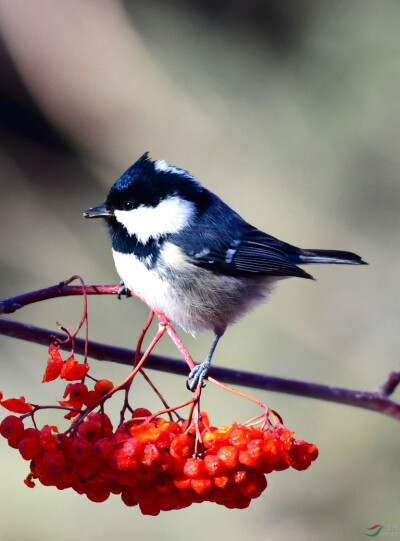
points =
(97, 212)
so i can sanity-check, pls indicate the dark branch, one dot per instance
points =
(7, 306)
(102, 352)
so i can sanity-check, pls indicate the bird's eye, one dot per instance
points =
(127, 205)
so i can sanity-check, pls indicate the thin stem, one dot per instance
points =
(160, 396)
(142, 335)
(239, 393)
(169, 410)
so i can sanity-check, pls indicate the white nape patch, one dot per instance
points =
(171, 215)
(162, 165)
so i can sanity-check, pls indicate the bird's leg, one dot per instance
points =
(199, 372)
(123, 290)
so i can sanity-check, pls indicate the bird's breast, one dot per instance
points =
(194, 298)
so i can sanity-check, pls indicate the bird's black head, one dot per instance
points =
(148, 182)
(151, 200)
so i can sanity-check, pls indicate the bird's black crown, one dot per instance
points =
(148, 182)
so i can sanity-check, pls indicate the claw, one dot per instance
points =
(123, 290)
(197, 376)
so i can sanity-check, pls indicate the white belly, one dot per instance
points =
(197, 300)
(145, 283)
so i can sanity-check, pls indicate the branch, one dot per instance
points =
(102, 352)
(374, 400)
(12, 304)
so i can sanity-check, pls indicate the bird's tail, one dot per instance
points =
(305, 257)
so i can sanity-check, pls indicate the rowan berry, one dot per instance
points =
(201, 485)
(90, 430)
(79, 449)
(150, 455)
(12, 427)
(239, 437)
(181, 481)
(182, 446)
(30, 448)
(52, 461)
(103, 448)
(164, 484)
(140, 414)
(302, 454)
(213, 464)
(98, 494)
(152, 463)
(228, 456)
(102, 387)
(77, 393)
(194, 467)
(102, 419)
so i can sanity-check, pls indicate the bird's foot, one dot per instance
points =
(197, 376)
(123, 290)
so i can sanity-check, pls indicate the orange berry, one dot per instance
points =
(201, 485)
(212, 464)
(194, 467)
(228, 456)
(182, 446)
(181, 481)
(102, 387)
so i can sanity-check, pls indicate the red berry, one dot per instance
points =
(181, 481)
(140, 414)
(79, 449)
(98, 494)
(150, 455)
(103, 448)
(30, 448)
(194, 467)
(102, 387)
(12, 427)
(228, 456)
(52, 461)
(90, 431)
(202, 485)
(212, 464)
(182, 446)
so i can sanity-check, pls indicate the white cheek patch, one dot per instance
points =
(170, 216)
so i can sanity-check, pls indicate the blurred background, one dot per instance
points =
(290, 112)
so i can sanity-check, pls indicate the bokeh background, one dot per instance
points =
(290, 112)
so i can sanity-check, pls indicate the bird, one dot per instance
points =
(187, 254)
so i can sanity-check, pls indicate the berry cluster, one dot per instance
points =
(156, 463)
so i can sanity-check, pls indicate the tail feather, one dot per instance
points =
(326, 257)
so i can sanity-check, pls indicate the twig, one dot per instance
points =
(12, 304)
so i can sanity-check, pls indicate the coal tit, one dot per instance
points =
(187, 254)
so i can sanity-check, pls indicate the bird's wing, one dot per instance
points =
(248, 252)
